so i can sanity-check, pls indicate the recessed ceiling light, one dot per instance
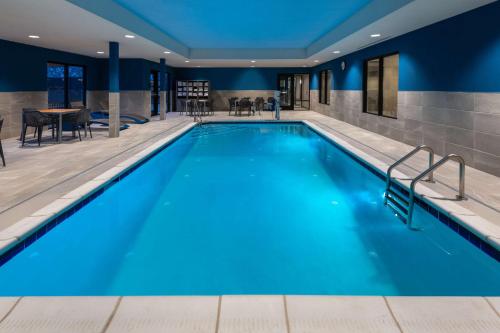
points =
(166, 52)
(100, 52)
(253, 61)
(336, 52)
(186, 60)
(34, 36)
(375, 35)
(129, 36)
(316, 60)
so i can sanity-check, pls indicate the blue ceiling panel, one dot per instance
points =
(245, 23)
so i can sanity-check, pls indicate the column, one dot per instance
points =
(114, 90)
(163, 90)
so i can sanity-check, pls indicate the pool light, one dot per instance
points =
(375, 35)
(129, 36)
(34, 36)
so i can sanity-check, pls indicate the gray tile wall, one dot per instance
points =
(11, 105)
(451, 122)
(97, 100)
(136, 102)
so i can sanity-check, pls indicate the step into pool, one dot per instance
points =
(248, 208)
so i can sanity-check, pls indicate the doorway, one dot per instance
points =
(294, 91)
(301, 96)
(155, 92)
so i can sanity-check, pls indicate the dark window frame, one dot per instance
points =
(380, 58)
(324, 86)
(66, 80)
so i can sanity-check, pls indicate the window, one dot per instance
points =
(65, 85)
(380, 93)
(325, 85)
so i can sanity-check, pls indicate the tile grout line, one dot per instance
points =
(287, 320)
(219, 303)
(479, 201)
(112, 315)
(106, 160)
(392, 314)
(491, 306)
(11, 309)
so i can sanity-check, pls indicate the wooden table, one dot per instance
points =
(60, 113)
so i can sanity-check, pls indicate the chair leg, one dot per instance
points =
(90, 131)
(1, 153)
(34, 134)
(40, 129)
(79, 135)
(23, 135)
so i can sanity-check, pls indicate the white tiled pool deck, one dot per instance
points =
(36, 177)
(243, 314)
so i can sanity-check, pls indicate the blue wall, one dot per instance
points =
(458, 54)
(24, 68)
(237, 78)
(134, 73)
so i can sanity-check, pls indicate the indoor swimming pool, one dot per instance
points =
(248, 208)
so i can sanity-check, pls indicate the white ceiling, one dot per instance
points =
(67, 27)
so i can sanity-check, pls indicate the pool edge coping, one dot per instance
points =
(468, 219)
(26, 227)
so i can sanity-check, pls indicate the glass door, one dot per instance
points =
(301, 100)
(155, 93)
(286, 88)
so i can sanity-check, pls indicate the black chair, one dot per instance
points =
(36, 119)
(1, 149)
(259, 104)
(76, 121)
(86, 121)
(271, 102)
(233, 104)
(245, 104)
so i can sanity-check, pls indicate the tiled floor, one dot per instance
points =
(243, 314)
(36, 177)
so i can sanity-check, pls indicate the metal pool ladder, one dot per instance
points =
(402, 201)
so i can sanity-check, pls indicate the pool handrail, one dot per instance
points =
(404, 158)
(461, 186)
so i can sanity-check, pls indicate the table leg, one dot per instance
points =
(59, 130)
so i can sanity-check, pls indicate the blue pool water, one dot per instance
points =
(248, 209)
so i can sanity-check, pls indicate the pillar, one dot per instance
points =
(114, 90)
(163, 90)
